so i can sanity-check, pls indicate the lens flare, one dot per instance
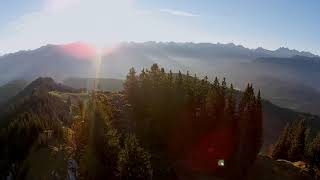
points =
(79, 50)
(98, 61)
(221, 163)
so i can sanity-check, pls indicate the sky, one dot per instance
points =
(29, 24)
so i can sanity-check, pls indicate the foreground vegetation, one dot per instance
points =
(162, 126)
(297, 144)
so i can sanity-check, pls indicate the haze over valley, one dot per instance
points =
(288, 77)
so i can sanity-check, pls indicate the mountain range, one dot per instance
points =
(288, 78)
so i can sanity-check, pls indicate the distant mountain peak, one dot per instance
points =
(230, 45)
(262, 50)
(283, 49)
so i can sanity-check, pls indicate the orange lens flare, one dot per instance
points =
(80, 51)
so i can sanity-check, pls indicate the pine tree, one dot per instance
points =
(131, 86)
(168, 102)
(134, 161)
(179, 80)
(249, 130)
(223, 87)
(314, 149)
(170, 78)
(258, 124)
(297, 147)
(179, 89)
(216, 83)
(280, 149)
(155, 76)
(230, 108)
(98, 144)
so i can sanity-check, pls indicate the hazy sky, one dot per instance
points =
(28, 24)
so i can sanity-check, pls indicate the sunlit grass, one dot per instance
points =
(65, 96)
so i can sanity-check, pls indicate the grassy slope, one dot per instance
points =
(104, 84)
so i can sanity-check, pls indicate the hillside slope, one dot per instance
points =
(35, 99)
(48, 61)
(104, 84)
(46, 100)
(11, 89)
(275, 117)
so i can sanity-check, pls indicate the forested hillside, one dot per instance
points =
(176, 123)
(161, 126)
(275, 117)
(29, 121)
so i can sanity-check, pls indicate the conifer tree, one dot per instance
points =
(298, 136)
(168, 102)
(314, 149)
(223, 87)
(131, 86)
(216, 83)
(99, 144)
(170, 78)
(230, 108)
(258, 123)
(134, 161)
(280, 149)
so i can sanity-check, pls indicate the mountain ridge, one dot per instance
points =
(236, 63)
(230, 45)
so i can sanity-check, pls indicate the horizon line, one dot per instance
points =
(157, 42)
